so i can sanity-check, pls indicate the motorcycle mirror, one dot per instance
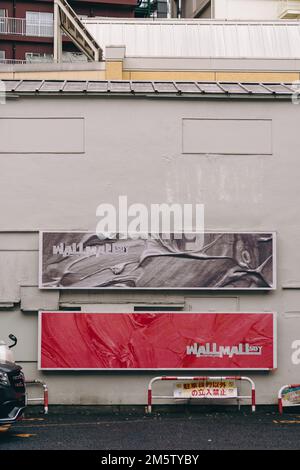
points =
(14, 339)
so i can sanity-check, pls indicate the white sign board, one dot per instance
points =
(206, 389)
(291, 396)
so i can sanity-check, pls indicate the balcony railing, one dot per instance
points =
(68, 57)
(12, 61)
(289, 9)
(23, 27)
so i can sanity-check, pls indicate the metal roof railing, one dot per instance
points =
(12, 61)
(67, 57)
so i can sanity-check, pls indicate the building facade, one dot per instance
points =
(240, 9)
(26, 28)
(248, 51)
(199, 49)
(149, 142)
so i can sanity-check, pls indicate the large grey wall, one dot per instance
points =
(134, 147)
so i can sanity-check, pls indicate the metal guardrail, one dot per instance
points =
(23, 27)
(12, 61)
(44, 399)
(73, 58)
(151, 397)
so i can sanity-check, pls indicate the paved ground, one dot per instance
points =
(176, 431)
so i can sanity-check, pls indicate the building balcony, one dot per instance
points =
(23, 27)
(288, 9)
(38, 58)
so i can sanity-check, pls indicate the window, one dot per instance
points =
(39, 23)
(2, 56)
(3, 14)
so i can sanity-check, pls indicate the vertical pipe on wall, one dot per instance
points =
(213, 9)
(169, 8)
(57, 45)
(179, 11)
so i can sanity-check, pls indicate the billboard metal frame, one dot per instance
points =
(181, 289)
(274, 315)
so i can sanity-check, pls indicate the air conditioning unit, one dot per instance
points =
(289, 9)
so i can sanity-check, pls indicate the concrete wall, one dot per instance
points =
(233, 9)
(246, 9)
(134, 147)
(160, 68)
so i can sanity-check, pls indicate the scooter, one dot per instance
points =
(12, 385)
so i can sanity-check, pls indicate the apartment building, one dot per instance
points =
(26, 27)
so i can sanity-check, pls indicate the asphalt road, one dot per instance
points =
(197, 431)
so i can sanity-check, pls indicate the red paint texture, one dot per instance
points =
(76, 340)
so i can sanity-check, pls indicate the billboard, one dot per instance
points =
(291, 396)
(210, 261)
(148, 341)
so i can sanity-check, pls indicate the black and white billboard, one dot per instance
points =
(82, 260)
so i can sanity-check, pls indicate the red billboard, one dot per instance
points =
(148, 341)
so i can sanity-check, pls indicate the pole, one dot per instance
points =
(57, 46)
(179, 13)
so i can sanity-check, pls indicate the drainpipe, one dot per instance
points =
(14, 16)
(179, 12)
(57, 43)
(213, 8)
(169, 9)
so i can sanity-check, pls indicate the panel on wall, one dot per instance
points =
(42, 135)
(32, 299)
(227, 136)
(75, 340)
(17, 268)
(212, 303)
(81, 260)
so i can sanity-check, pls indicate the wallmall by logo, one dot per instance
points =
(141, 221)
(214, 350)
(2, 92)
(296, 352)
